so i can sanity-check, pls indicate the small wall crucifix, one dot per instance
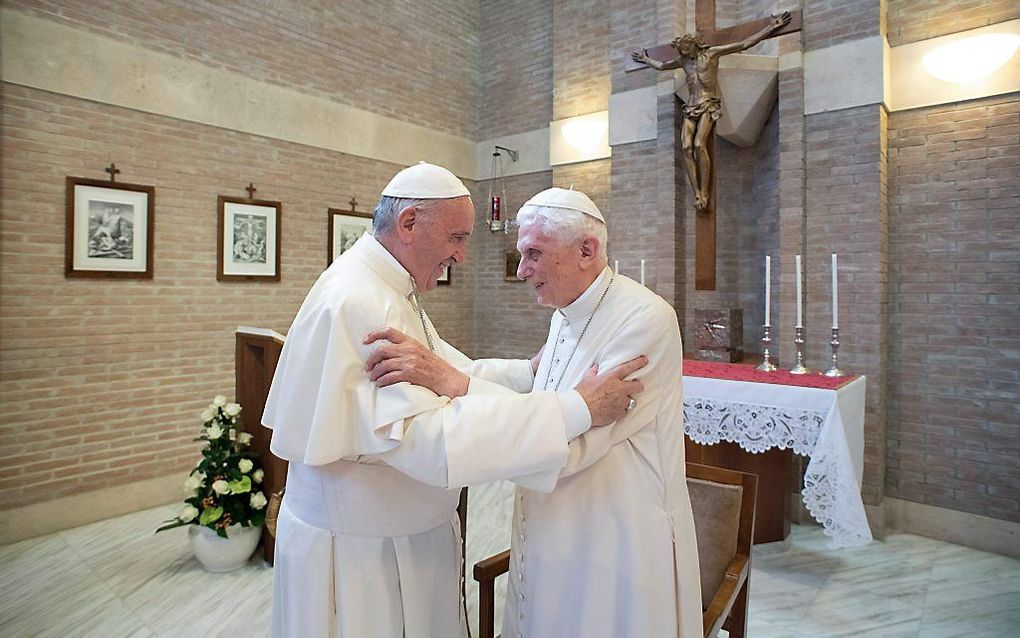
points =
(251, 190)
(699, 57)
(112, 170)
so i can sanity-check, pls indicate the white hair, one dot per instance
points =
(565, 224)
(384, 217)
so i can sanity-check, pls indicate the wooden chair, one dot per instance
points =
(723, 504)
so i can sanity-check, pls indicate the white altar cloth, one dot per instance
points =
(825, 425)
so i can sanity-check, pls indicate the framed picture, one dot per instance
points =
(444, 279)
(109, 229)
(512, 260)
(248, 239)
(345, 228)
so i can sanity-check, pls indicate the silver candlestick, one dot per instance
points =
(834, 370)
(798, 339)
(766, 364)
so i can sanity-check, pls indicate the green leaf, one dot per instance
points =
(241, 487)
(210, 515)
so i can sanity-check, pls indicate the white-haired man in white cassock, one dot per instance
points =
(367, 537)
(611, 551)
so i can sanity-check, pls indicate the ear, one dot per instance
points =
(406, 220)
(589, 248)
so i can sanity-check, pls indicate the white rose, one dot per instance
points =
(214, 432)
(245, 465)
(220, 486)
(257, 476)
(258, 500)
(208, 414)
(194, 482)
(219, 401)
(232, 409)
(187, 513)
(244, 438)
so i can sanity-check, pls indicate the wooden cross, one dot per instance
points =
(251, 190)
(704, 19)
(112, 170)
(354, 204)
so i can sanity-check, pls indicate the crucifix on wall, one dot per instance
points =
(698, 56)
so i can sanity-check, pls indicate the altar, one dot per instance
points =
(765, 413)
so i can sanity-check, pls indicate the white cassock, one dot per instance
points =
(368, 541)
(611, 551)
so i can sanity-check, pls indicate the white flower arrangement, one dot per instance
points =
(221, 485)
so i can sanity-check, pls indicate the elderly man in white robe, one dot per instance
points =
(367, 536)
(611, 551)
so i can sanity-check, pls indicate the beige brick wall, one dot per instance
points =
(954, 368)
(913, 20)
(515, 91)
(831, 22)
(846, 214)
(507, 321)
(413, 61)
(580, 57)
(102, 381)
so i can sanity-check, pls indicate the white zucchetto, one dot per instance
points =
(425, 181)
(569, 199)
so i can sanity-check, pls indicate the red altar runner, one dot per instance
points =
(744, 372)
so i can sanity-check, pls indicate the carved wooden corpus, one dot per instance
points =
(704, 223)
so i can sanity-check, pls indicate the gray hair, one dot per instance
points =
(565, 224)
(384, 217)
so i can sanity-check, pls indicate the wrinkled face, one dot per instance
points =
(552, 266)
(440, 239)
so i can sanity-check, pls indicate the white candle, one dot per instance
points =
(800, 310)
(768, 289)
(835, 295)
(616, 266)
(642, 272)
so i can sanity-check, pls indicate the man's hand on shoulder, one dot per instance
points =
(609, 395)
(406, 359)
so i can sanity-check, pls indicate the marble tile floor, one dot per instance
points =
(115, 578)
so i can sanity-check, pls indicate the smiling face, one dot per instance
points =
(437, 239)
(558, 270)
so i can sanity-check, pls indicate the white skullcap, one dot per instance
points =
(425, 181)
(569, 199)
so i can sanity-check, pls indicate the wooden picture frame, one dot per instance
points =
(105, 222)
(511, 261)
(248, 239)
(345, 228)
(444, 279)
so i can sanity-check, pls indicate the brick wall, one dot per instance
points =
(507, 321)
(913, 20)
(102, 381)
(954, 373)
(580, 57)
(413, 61)
(515, 93)
(831, 22)
(846, 214)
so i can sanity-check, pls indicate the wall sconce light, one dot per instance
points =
(579, 139)
(497, 203)
(971, 59)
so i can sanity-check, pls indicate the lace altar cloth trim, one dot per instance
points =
(829, 489)
(741, 372)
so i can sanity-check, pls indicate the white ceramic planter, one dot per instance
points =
(223, 554)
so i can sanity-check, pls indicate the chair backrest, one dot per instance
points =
(722, 525)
